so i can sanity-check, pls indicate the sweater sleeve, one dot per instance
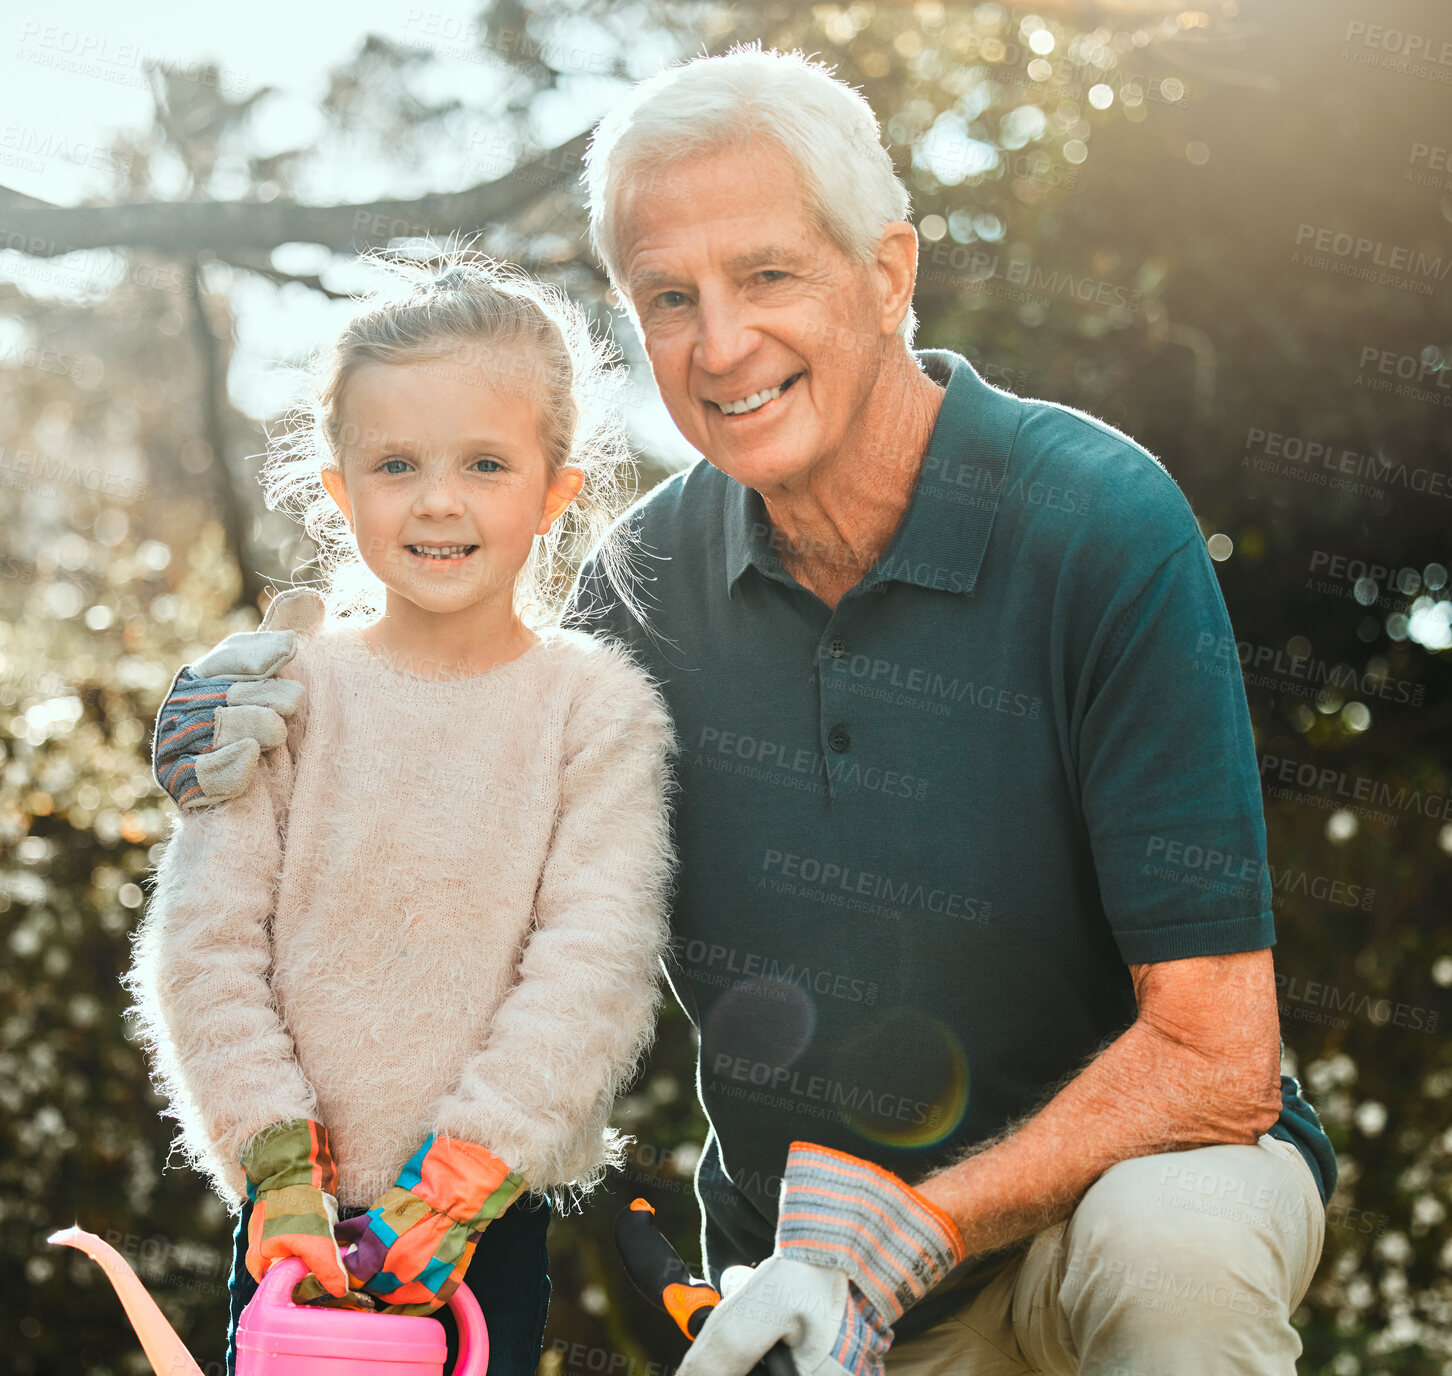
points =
(201, 960)
(580, 1016)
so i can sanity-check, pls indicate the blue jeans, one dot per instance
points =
(508, 1273)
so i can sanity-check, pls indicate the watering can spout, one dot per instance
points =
(276, 1336)
(164, 1350)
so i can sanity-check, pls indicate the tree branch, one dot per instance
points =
(255, 227)
(255, 263)
(235, 507)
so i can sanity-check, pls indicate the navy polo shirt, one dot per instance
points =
(923, 834)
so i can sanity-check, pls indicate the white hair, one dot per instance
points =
(824, 126)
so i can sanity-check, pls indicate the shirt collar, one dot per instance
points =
(944, 532)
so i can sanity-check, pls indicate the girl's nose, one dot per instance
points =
(439, 495)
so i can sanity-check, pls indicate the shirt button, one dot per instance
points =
(839, 740)
(836, 647)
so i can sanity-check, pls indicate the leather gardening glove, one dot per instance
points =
(293, 1185)
(412, 1247)
(223, 711)
(855, 1246)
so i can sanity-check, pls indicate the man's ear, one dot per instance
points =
(563, 490)
(897, 269)
(337, 490)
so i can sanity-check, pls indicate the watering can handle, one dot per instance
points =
(278, 1280)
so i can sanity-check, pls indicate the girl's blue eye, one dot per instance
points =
(394, 472)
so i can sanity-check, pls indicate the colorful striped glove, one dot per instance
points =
(293, 1185)
(412, 1247)
(223, 711)
(855, 1246)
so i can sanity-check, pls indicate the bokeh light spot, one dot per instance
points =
(905, 1079)
(932, 227)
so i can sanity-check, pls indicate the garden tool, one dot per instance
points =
(657, 1271)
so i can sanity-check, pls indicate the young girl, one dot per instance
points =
(408, 969)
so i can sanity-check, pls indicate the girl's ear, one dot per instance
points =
(333, 481)
(565, 488)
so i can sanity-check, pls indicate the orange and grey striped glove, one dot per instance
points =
(855, 1246)
(222, 712)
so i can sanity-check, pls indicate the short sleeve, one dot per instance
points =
(1166, 767)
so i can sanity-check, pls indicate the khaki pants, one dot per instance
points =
(1186, 1263)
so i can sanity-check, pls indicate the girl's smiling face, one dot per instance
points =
(444, 480)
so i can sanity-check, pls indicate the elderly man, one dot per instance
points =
(973, 917)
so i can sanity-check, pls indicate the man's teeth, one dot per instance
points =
(441, 551)
(754, 402)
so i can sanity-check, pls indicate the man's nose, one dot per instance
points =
(724, 334)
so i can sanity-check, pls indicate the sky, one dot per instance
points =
(72, 74)
(71, 71)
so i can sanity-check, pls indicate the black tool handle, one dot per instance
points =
(656, 1270)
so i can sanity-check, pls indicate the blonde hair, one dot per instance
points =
(825, 128)
(530, 338)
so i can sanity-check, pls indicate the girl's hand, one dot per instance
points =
(354, 1299)
(412, 1248)
(292, 1183)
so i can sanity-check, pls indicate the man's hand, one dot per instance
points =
(855, 1246)
(225, 709)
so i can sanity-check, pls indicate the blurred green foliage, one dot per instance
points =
(1119, 227)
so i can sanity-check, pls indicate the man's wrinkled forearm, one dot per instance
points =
(1143, 1094)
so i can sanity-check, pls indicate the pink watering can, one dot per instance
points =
(276, 1337)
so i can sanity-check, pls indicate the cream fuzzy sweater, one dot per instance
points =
(440, 907)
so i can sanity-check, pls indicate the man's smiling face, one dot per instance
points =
(737, 294)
